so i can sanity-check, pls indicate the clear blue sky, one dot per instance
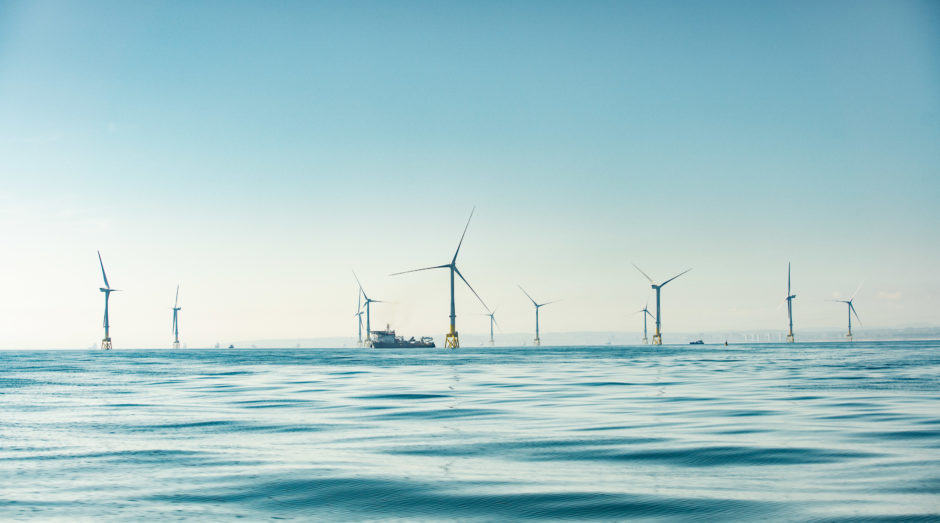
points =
(256, 152)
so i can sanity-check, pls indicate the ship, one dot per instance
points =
(388, 340)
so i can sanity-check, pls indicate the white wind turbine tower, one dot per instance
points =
(657, 337)
(359, 315)
(107, 290)
(492, 316)
(538, 306)
(789, 300)
(369, 301)
(851, 311)
(646, 310)
(176, 309)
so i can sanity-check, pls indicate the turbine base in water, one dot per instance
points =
(176, 344)
(452, 341)
(848, 337)
(657, 339)
(106, 344)
(790, 338)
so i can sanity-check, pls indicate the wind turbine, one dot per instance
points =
(107, 290)
(538, 306)
(369, 301)
(851, 311)
(359, 315)
(658, 338)
(176, 309)
(789, 300)
(646, 309)
(492, 316)
(453, 340)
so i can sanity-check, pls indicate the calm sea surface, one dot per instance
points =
(776, 432)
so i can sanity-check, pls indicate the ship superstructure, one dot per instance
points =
(386, 339)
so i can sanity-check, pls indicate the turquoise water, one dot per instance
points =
(779, 432)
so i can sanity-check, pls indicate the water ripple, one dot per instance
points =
(801, 432)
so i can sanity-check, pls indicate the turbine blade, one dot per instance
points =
(548, 303)
(643, 273)
(360, 286)
(650, 314)
(471, 289)
(176, 302)
(663, 284)
(856, 291)
(852, 308)
(423, 269)
(527, 295)
(462, 235)
(788, 278)
(105, 276)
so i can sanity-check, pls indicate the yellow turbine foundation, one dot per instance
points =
(106, 344)
(452, 341)
(657, 339)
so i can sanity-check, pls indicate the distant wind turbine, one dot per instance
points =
(176, 309)
(657, 337)
(359, 315)
(492, 316)
(369, 301)
(107, 290)
(453, 340)
(646, 309)
(851, 311)
(538, 306)
(789, 300)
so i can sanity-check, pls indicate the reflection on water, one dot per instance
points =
(796, 432)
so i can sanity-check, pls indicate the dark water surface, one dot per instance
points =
(778, 432)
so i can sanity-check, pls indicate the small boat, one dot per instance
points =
(697, 342)
(388, 340)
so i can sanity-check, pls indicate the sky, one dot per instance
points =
(257, 153)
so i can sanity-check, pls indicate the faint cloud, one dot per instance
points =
(889, 296)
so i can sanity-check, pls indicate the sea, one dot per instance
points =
(777, 432)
